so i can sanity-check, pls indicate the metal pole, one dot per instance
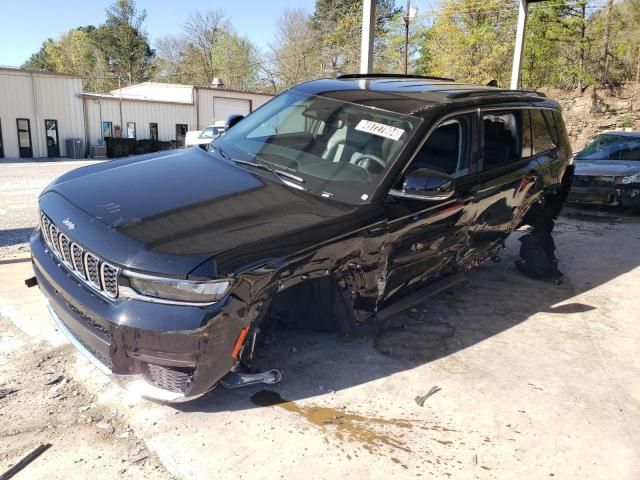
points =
(406, 36)
(517, 52)
(368, 30)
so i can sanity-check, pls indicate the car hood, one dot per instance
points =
(614, 168)
(192, 203)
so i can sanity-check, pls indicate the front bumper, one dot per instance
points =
(134, 383)
(626, 196)
(163, 352)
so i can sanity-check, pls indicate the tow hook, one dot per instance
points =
(237, 380)
(31, 282)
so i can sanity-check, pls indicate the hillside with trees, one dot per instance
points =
(570, 44)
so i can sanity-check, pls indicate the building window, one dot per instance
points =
(181, 133)
(107, 130)
(153, 132)
(131, 129)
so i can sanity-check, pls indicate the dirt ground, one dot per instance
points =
(44, 403)
(533, 380)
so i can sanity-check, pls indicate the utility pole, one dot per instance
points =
(523, 11)
(368, 31)
(406, 37)
(409, 14)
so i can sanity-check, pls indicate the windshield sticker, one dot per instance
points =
(380, 129)
(364, 196)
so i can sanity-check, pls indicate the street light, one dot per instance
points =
(409, 14)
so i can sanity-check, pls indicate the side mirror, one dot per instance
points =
(233, 119)
(426, 184)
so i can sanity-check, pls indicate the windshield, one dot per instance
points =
(337, 149)
(612, 147)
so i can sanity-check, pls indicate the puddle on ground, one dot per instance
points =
(349, 427)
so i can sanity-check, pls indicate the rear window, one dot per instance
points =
(541, 133)
(563, 136)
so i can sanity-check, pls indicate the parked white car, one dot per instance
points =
(202, 138)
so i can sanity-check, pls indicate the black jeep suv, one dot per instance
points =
(338, 202)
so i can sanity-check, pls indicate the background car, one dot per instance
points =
(607, 171)
(202, 138)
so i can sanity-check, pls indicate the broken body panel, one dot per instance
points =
(608, 171)
(196, 215)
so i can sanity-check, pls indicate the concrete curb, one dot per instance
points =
(20, 259)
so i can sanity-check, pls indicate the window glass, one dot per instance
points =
(612, 146)
(446, 149)
(553, 130)
(107, 130)
(501, 139)
(542, 140)
(153, 131)
(336, 149)
(131, 130)
(290, 120)
(563, 137)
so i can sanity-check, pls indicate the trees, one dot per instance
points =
(296, 53)
(569, 44)
(469, 41)
(124, 44)
(116, 50)
(338, 24)
(208, 47)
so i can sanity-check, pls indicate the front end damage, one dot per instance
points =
(605, 190)
(163, 352)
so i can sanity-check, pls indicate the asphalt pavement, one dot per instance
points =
(20, 185)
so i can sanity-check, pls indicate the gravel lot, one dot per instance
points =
(537, 381)
(20, 185)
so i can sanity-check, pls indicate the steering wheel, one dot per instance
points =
(368, 160)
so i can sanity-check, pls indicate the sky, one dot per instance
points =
(25, 24)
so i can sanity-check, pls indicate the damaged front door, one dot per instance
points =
(426, 237)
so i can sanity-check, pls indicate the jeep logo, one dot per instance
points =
(70, 225)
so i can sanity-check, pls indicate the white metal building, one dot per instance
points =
(39, 111)
(163, 111)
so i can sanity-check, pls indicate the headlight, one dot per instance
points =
(191, 291)
(631, 179)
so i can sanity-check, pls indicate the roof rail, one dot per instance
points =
(479, 93)
(389, 75)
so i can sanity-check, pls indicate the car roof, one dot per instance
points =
(415, 95)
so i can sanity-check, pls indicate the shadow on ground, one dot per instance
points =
(495, 298)
(14, 236)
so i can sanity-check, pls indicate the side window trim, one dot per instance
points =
(456, 121)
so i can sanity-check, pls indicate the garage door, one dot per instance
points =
(223, 107)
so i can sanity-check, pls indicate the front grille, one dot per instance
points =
(91, 268)
(172, 379)
(65, 248)
(593, 181)
(77, 254)
(98, 274)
